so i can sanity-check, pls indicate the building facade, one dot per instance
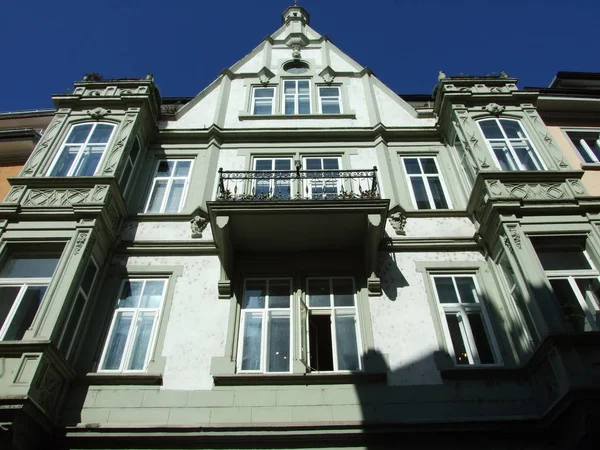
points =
(297, 257)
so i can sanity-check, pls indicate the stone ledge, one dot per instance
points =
(301, 379)
(109, 379)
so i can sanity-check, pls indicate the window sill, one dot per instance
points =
(437, 213)
(590, 166)
(123, 379)
(159, 217)
(241, 379)
(243, 116)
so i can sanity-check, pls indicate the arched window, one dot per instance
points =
(510, 146)
(82, 150)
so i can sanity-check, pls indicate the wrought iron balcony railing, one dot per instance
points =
(262, 185)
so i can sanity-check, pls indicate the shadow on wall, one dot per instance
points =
(391, 277)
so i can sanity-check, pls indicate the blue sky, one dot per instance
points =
(186, 43)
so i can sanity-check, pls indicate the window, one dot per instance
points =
(324, 181)
(296, 67)
(24, 279)
(466, 325)
(510, 146)
(268, 182)
(263, 100)
(327, 323)
(82, 150)
(329, 100)
(169, 186)
(129, 165)
(426, 187)
(296, 96)
(68, 339)
(587, 144)
(573, 278)
(133, 329)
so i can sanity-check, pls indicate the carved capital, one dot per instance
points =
(398, 222)
(198, 224)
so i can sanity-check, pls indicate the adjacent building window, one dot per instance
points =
(169, 186)
(327, 323)
(129, 165)
(510, 146)
(467, 327)
(134, 325)
(263, 100)
(82, 151)
(587, 144)
(425, 183)
(274, 178)
(24, 279)
(296, 96)
(329, 100)
(573, 278)
(324, 181)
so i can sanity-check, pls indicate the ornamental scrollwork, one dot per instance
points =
(114, 155)
(198, 225)
(55, 197)
(80, 242)
(38, 153)
(48, 387)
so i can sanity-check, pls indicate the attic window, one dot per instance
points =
(296, 67)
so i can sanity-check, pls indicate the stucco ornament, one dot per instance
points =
(494, 108)
(398, 222)
(98, 113)
(296, 51)
(265, 75)
(328, 75)
(198, 224)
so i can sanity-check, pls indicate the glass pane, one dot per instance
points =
(313, 163)
(289, 105)
(71, 328)
(343, 292)
(590, 289)
(88, 277)
(165, 168)
(141, 341)
(29, 267)
(437, 192)
(264, 92)
(156, 198)
(175, 195)
(481, 341)
(262, 108)
(412, 165)
(182, 168)
(582, 148)
(303, 333)
(65, 160)
(101, 134)
(318, 293)
(420, 193)
(289, 87)
(263, 187)
(254, 295)
(263, 164)
(279, 293)
(329, 91)
(152, 296)
(526, 156)
(561, 257)
(278, 352)
(331, 163)
(117, 341)
(130, 295)
(8, 294)
(330, 107)
(79, 134)
(125, 175)
(466, 289)
(445, 290)
(251, 341)
(593, 143)
(303, 87)
(460, 351)
(490, 129)
(572, 310)
(283, 164)
(135, 150)
(21, 321)
(513, 129)
(89, 162)
(345, 338)
(504, 158)
(429, 165)
(303, 105)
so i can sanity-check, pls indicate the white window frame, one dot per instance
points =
(264, 328)
(82, 147)
(331, 310)
(130, 164)
(170, 180)
(307, 187)
(137, 311)
(462, 309)
(272, 183)
(509, 145)
(425, 178)
(296, 95)
(23, 283)
(259, 99)
(69, 336)
(585, 146)
(590, 308)
(329, 97)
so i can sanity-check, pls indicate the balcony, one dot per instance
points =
(298, 211)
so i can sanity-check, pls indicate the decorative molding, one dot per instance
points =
(398, 222)
(80, 242)
(328, 75)
(296, 51)
(15, 194)
(98, 113)
(115, 154)
(494, 108)
(198, 225)
(47, 387)
(542, 132)
(224, 289)
(55, 197)
(38, 153)
(374, 286)
(516, 236)
(265, 75)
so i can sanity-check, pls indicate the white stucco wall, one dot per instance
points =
(339, 64)
(162, 231)
(437, 227)
(201, 115)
